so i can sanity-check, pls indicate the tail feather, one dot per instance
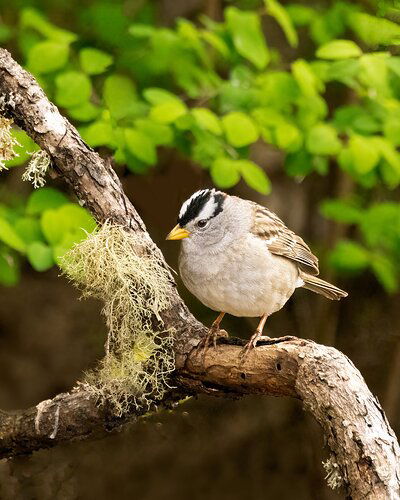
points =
(322, 287)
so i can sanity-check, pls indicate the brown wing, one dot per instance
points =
(282, 241)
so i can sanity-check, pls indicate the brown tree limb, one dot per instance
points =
(365, 454)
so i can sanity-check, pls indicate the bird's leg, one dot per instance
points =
(256, 336)
(213, 332)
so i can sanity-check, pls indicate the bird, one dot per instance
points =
(238, 257)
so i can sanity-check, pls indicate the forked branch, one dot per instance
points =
(364, 452)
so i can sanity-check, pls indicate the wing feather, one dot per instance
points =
(282, 241)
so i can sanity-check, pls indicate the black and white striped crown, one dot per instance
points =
(203, 204)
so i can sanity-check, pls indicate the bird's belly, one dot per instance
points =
(252, 286)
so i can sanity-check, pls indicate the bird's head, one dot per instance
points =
(200, 217)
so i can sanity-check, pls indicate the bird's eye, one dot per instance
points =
(202, 223)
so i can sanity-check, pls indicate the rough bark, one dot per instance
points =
(365, 455)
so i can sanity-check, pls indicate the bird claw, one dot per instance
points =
(212, 335)
(252, 343)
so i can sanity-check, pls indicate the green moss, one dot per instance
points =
(114, 266)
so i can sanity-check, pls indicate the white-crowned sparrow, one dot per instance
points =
(238, 257)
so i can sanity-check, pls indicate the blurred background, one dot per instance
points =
(293, 105)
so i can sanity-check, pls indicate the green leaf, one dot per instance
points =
(385, 272)
(224, 173)
(254, 176)
(141, 30)
(159, 134)
(364, 152)
(374, 30)
(84, 112)
(207, 120)
(155, 96)
(207, 148)
(388, 152)
(140, 145)
(47, 56)
(31, 18)
(301, 15)
(77, 219)
(168, 112)
(94, 61)
(10, 237)
(9, 269)
(51, 226)
(28, 229)
(280, 14)
(349, 256)
(341, 211)
(56, 223)
(240, 129)
(40, 256)
(99, 133)
(307, 80)
(72, 89)
(119, 95)
(43, 199)
(68, 240)
(373, 73)
(298, 164)
(26, 146)
(391, 129)
(322, 139)
(380, 225)
(248, 38)
(339, 49)
(216, 42)
(288, 137)
(354, 118)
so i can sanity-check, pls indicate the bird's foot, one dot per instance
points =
(212, 335)
(252, 343)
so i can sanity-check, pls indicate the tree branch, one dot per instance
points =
(365, 455)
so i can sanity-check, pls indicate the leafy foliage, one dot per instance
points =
(41, 229)
(212, 90)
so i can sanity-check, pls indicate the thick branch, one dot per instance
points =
(330, 387)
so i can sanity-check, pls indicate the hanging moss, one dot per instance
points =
(112, 265)
(7, 142)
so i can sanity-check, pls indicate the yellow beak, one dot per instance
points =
(178, 233)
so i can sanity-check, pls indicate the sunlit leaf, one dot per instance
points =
(341, 211)
(276, 10)
(43, 199)
(40, 256)
(73, 88)
(322, 139)
(168, 111)
(141, 146)
(339, 49)
(240, 129)
(48, 56)
(373, 30)
(254, 176)
(10, 237)
(94, 61)
(248, 38)
(224, 173)
(119, 95)
(208, 120)
(349, 256)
